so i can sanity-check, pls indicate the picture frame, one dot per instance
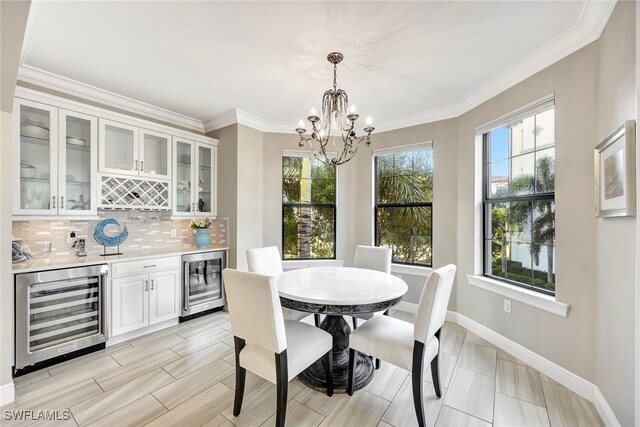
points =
(615, 173)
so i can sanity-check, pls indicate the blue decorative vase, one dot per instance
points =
(202, 238)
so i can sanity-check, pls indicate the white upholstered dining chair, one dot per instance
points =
(372, 258)
(267, 261)
(408, 345)
(266, 344)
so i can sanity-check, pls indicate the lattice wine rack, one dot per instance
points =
(128, 193)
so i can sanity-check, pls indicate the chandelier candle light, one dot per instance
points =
(337, 120)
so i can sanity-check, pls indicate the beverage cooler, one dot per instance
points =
(202, 282)
(59, 313)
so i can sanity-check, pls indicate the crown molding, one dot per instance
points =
(593, 19)
(58, 83)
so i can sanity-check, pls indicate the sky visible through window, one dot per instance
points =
(500, 150)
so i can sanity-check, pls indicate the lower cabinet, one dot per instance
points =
(142, 300)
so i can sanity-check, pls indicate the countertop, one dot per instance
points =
(75, 261)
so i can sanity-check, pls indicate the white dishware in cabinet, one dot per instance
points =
(129, 150)
(78, 164)
(194, 184)
(56, 161)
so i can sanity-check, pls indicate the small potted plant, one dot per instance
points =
(201, 236)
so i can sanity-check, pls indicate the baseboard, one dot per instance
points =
(7, 394)
(573, 382)
(604, 410)
(407, 307)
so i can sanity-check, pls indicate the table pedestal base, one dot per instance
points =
(314, 376)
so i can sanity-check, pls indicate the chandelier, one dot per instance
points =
(337, 120)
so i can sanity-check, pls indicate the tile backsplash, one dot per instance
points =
(147, 230)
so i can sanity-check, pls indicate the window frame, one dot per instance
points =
(334, 205)
(421, 146)
(529, 110)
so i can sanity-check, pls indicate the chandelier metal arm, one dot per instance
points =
(335, 116)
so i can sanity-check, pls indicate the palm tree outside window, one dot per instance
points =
(404, 203)
(308, 208)
(519, 201)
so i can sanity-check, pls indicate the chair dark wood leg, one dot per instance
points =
(435, 371)
(355, 323)
(416, 380)
(316, 319)
(282, 387)
(329, 372)
(352, 371)
(241, 374)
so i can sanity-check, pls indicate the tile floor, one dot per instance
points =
(184, 375)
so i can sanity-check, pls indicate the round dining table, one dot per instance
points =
(335, 292)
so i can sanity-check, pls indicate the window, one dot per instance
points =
(403, 203)
(519, 199)
(308, 208)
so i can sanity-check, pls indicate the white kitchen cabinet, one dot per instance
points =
(194, 183)
(130, 303)
(141, 300)
(132, 151)
(56, 163)
(164, 296)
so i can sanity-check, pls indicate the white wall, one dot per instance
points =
(250, 193)
(615, 237)
(13, 20)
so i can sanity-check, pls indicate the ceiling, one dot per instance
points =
(265, 62)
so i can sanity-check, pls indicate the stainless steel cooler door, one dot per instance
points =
(202, 280)
(58, 312)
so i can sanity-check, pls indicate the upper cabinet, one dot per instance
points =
(72, 160)
(194, 183)
(129, 150)
(56, 162)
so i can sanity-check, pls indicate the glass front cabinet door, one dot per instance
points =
(128, 150)
(77, 164)
(194, 179)
(154, 154)
(57, 161)
(118, 148)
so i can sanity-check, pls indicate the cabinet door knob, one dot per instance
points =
(61, 202)
(142, 165)
(146, 285)
(151, 284)
(54, 202)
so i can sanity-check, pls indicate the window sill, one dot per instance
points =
(525, 296)
(307, 263)
(411, 270)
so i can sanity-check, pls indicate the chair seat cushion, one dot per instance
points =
(289, 314)
(391, 340)
(305, 345)
(367, 316)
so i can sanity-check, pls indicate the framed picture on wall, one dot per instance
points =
(616, 172)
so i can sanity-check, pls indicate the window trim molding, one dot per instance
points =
(311, 155)
(532, 298)
(483, 174)
(411, 269)
(526, 110)
(402, 268)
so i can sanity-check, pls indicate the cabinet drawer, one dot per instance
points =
(145, 266)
